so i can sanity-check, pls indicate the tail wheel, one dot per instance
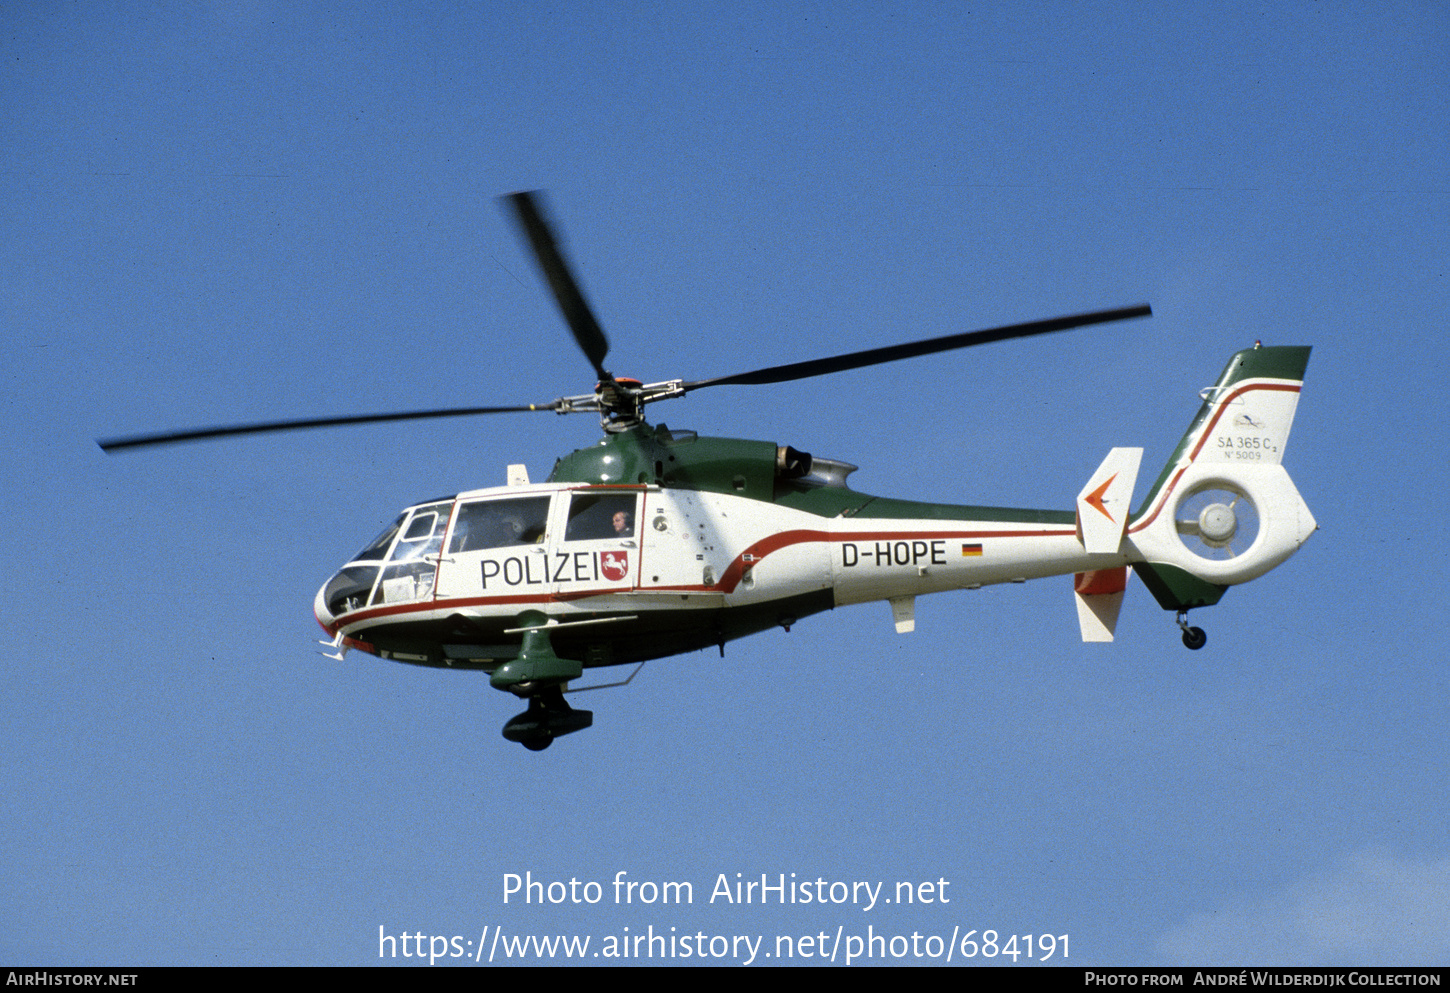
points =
(1193, 638)
(1217, 522)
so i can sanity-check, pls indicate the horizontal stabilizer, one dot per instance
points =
(1104, 503)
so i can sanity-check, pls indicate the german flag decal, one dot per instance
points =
(969, 550)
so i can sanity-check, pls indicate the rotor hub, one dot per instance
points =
(621, 403)
(1217, 523)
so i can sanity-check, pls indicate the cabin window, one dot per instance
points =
(600, 515)
(500, 523)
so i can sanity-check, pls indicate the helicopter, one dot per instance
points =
(655, 542)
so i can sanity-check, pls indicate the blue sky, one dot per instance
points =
(226, 212)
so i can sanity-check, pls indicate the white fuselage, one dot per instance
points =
(685, 550)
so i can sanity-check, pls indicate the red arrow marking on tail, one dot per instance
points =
(1095, 498)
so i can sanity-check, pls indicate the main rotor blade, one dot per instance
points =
(576, 310)
(202, 434)
(912, 349)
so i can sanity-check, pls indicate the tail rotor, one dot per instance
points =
(1217, 523)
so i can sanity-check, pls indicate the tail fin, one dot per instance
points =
(1102, 506)
(1224, 510)
(1102, 516)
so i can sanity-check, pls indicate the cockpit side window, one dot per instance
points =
(500, 523)
(412, 566)
(424, 535)
(422, 525)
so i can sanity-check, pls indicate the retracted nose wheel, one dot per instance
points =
(1193, 638)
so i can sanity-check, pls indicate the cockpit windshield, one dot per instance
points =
(378, 547)
(410, 546)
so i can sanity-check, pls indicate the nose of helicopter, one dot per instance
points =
(320, 611)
